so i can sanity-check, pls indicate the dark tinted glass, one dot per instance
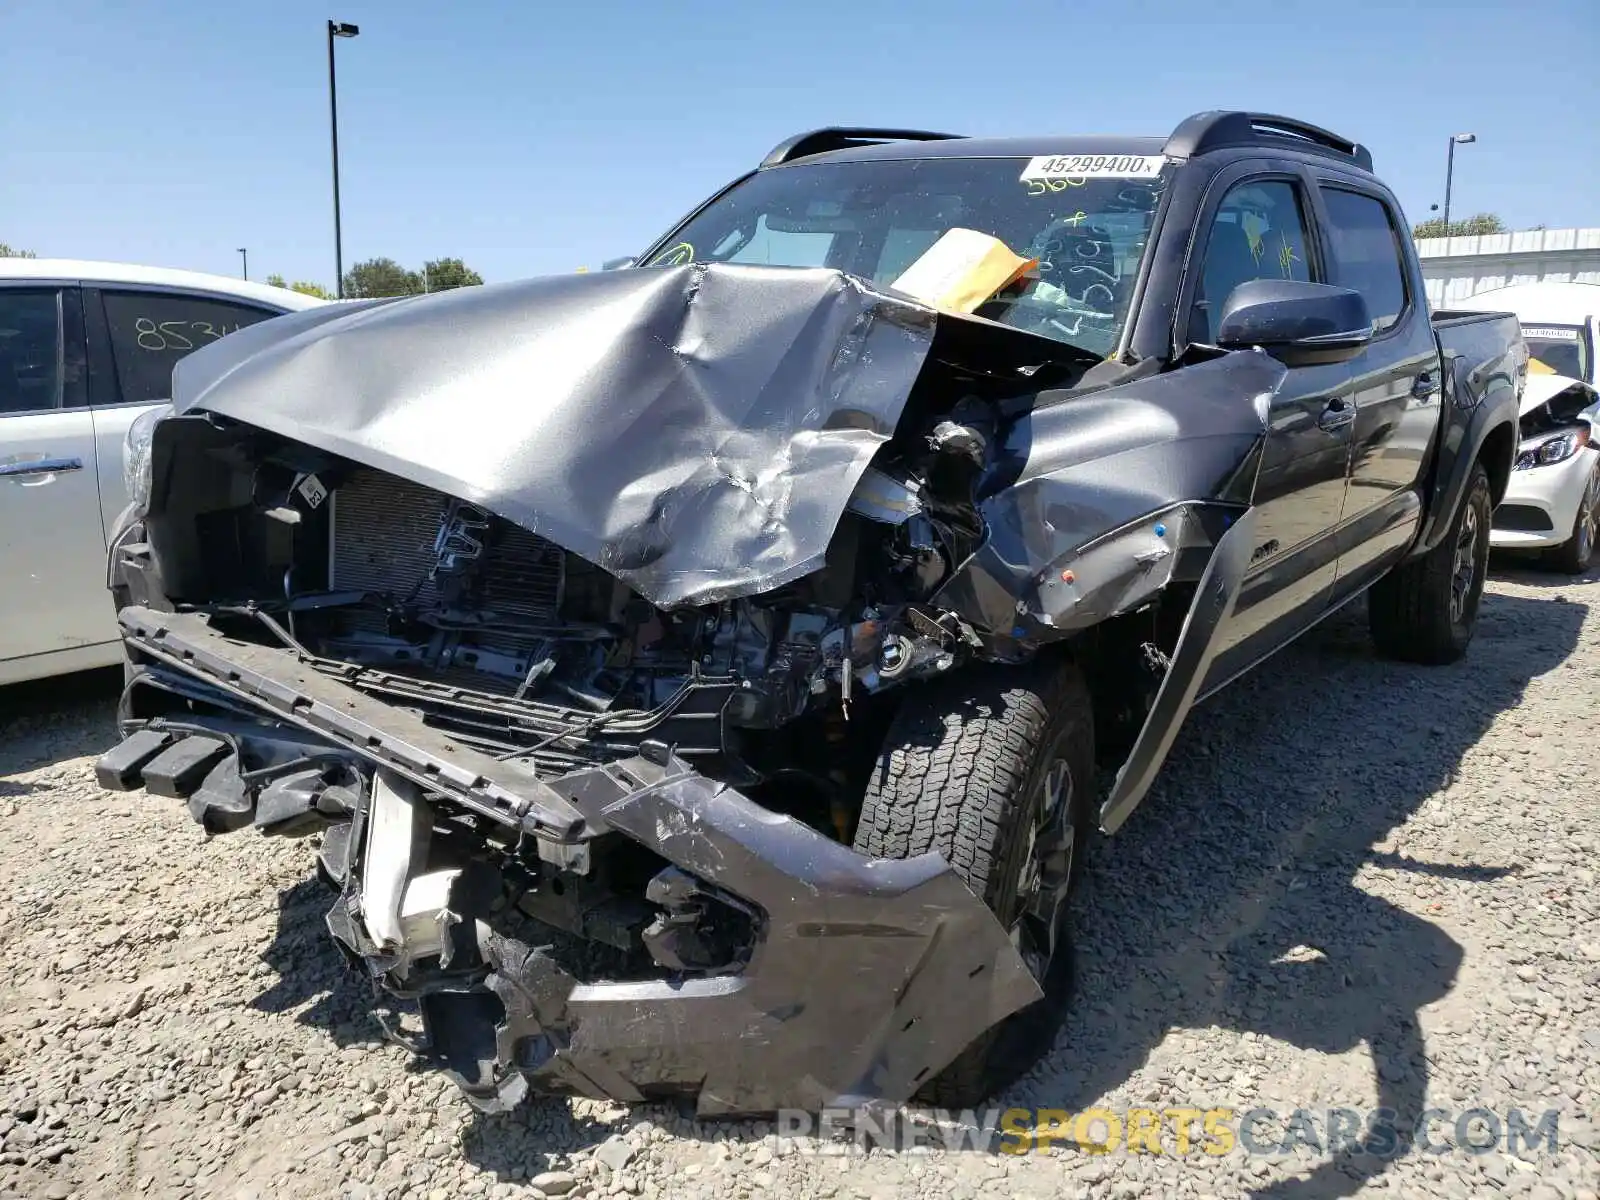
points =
(1365, 251)
(151, 331)
(30, 349)
(1258, 233)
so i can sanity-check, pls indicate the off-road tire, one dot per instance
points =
(1408, 610)
(1575, 555)
(960, 773)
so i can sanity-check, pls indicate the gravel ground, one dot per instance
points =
(1355, 885)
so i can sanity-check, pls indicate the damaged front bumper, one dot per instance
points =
(857, 979)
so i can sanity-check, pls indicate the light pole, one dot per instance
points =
(1460, 139)
(244, 261)
(336, 29)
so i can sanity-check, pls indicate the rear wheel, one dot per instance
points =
(1575, 554)
(994, 769)
(1426, 610)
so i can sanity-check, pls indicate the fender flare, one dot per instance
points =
(1460, 445)
(1191, 658)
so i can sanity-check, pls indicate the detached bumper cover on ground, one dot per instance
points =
(865, 977)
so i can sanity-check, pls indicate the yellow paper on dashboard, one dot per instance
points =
(962, 270)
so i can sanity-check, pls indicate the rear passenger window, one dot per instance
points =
(31, 364)
(151, 331)
(1364, 249)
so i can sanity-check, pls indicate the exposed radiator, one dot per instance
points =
(385, 534)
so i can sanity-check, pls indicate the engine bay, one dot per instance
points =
(532, 652)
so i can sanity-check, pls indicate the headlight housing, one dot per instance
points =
(1542, 452)
(136, 470)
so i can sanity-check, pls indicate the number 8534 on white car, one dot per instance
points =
(85, 348)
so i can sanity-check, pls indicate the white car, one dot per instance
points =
(85, 347)
(1553, 501)
(1560, 323)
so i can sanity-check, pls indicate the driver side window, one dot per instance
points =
(1258, 233)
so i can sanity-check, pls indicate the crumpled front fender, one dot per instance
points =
(865, 977)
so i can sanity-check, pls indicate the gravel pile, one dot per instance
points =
(1356, 885)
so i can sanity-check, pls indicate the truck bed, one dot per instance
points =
(1481, 351)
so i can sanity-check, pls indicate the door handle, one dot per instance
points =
(1424, 385)
(39, 466)
(1339, 413)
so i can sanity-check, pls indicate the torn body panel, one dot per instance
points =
(1208, 616)
(898, 951)
(1118, 495)
(695, 431)
(579, 707)
(1082, 483)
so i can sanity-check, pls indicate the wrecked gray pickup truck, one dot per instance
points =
(697, 673)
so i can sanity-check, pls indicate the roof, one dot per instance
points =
(1198, 134)
(88, 271)
(1552, 303)
(1007, 147)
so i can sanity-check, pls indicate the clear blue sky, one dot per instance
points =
(538, 137)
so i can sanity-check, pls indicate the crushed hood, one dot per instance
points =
(696, 431)
(1541, 389)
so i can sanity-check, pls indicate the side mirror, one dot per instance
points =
(617, 264)
(1297, 323)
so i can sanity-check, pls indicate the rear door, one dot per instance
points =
(53, 594)
(1395, 380)
(1259, 224)
(136, 336)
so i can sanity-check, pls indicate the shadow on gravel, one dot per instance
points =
(1229, 900)
(48, 720)
(319, 989)
(1526, 571)
(314, 982)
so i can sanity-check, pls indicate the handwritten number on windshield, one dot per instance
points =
(181, 336)
(1039, 187)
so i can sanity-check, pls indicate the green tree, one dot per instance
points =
(302, 286)
(12, 252)
(381, 277)
(441, 274)
(1482, 223)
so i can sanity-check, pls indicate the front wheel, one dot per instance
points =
(1426, 610)
(994, 769)
(1576, 553)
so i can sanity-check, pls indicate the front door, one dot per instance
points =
(53, 597)
(1259, 231)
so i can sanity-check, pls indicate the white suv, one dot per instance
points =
(85, 347)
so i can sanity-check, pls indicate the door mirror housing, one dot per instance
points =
(617, 264)
(1297, 323)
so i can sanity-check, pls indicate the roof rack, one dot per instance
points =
(1213, 130)
(820, 141)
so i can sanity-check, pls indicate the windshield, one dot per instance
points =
(874, 219)
(1560, 349)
